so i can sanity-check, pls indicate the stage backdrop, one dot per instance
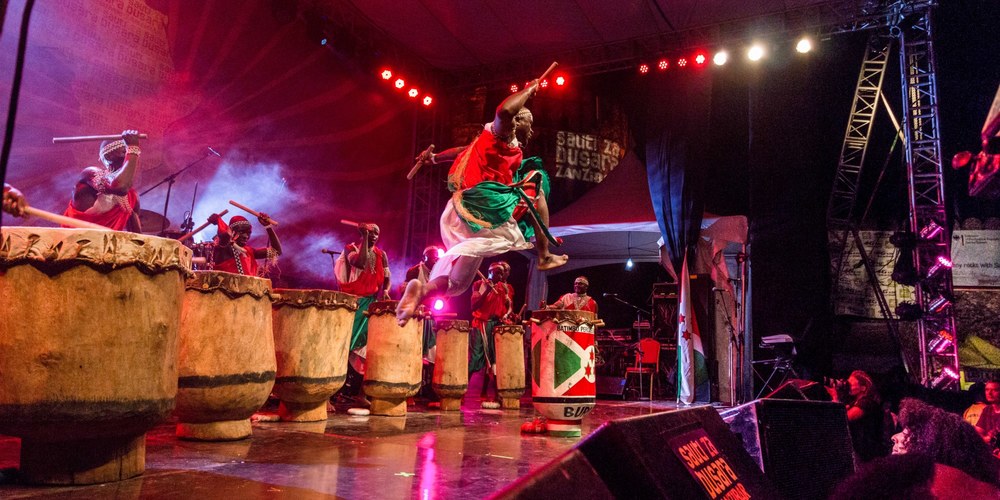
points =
(304, 135)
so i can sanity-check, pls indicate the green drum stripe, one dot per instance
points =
(567, 363)
(311, 380)
(536, 362)
(210, 381)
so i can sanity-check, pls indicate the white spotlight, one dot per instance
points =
(720, 58)
(755, 53)
(804, 45)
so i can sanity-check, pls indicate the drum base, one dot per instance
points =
(510, 403)
(226, 430)
(388, 407)
(510, 399)
(302, 412)
(83, 462)
(564, 428)
(451, 404)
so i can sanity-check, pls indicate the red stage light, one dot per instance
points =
(560, 81)
(643, 68)
(700, 59)
(664, 64)
(400, 83)
(514, 88)
(428, 100)
(545, 83)
(413, 93)
(682, 62)
(386, 74)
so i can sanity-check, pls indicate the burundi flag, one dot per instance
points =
(692, 372)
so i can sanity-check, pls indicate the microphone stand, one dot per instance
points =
(637, 345)
(171, 179)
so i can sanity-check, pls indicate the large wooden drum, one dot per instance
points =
(451, 363)
(395, 359)
(509, 341)
(226, 359)
(312, 333)
(88, 348)
(562, 368)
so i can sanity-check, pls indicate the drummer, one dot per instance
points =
(14, 202)
(104, 195)
(232, 253)
(363, 270)
(492, 303)
(578, 300)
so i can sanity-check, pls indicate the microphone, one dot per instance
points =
(330, 252)
(610, 294)
(214, 152)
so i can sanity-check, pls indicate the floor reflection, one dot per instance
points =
(426, 454)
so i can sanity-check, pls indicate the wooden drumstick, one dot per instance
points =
(551, 67)
(250, 211)
(199, 228)
(419, 163)
(349, 223)
(62, 219)
(85, 138)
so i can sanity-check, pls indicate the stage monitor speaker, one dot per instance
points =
(805, 390)
(803, 447)
(688, 453)
(569, 476)
(610, 386)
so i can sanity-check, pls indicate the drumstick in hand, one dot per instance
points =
(62, 219)
(199, 228)
(250, 211)
(419, 163)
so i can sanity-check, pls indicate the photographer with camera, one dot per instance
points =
(864, 414)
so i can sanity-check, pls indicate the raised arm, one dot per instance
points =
(503, 123)
(121, 182)
(224, 234)
(272, 238)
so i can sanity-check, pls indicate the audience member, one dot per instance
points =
(946, 438)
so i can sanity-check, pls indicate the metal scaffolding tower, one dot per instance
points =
(425, 196)
(928, 217)
(846, 182)
(909, 22)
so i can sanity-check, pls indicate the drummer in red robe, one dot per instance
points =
(578, 300)
(233, 254)
(492, 304)
(363, 270)
(104, 195)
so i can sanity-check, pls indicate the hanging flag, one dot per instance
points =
(692, 372)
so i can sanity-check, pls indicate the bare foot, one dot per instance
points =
(407, 307)
(552, 261)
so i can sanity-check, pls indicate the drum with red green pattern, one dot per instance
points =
(562, 368)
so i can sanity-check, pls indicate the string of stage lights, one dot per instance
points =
(754, 52)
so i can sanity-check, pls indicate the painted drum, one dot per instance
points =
(394, 361)
(451, 363)
(226, 359)
(88, 348)
(562, 368)
(312, 332)
(509, 341)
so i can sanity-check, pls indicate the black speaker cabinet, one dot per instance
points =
(803, 447)
(569, 476)
(609, 385)
(680, 454)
